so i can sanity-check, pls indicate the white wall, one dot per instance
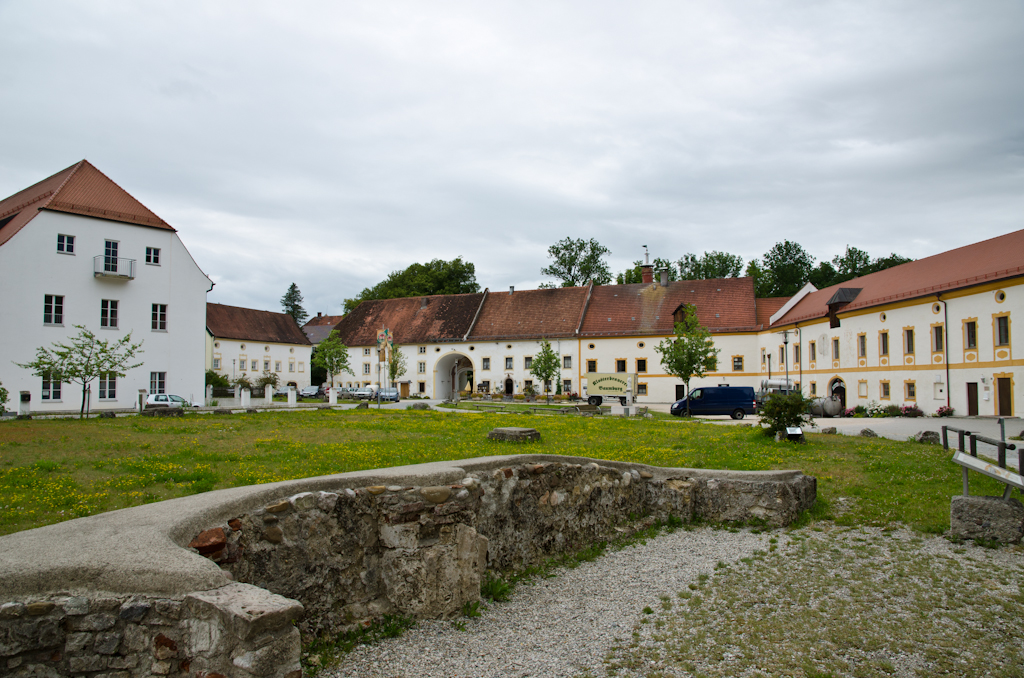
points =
(294, 360)
(31, 267)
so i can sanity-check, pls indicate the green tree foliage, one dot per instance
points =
(635, 275)
(85, 359)
(331, 355)
(545, 365)
(267, 378)
(781, 411)
(854, 263)
(577, 261)
(291, 302)
(217, 380)
(710, 265)
(3, 398)
(785, 268)
(420, 280)
(397, 364)
(692, 353)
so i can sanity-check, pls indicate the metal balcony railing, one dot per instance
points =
(113, 267)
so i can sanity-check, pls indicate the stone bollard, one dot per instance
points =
(332, 396)
(291, 396)
(268, 393)
(209, 394)
(246, 397)
(24, 403)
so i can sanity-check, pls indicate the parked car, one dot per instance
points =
(736, 401)
(311, 392)
(389, 395)
(156, 400)
(364, 393)
(282, 390)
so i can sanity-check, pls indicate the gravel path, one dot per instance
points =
(563, 626)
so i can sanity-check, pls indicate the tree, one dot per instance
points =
(421, 280)
(823, 275)
(852, 264)
(710, 265)
(332, 356)
(761, 287)
(216, 380)
(578, 261)
(85, 359)
(786, 268)
(267, 379)
(635, 274)
(291, 302)
(397, 364)
(692, 353)
(3, 398)
(545, 365)
(883, 263)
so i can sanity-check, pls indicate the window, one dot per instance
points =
(862, 389)
(108, 386)
(885, 390)
(527, 385)
(641, 364)
(971, 334)
(591, 366)
(423, 349)
(423, 387)
(883, 343)
(937, 339)
(243, 362)
(811, 347)
(911, 390)
(108, 313)
(153, 256)
(485, 364)
(302, 366)
(277, 365)
(255, 363)
(814, 388)
(567, 386)
(835, 349)
(53, 309)
(291, 366)
(796, 353)
(908, 341)
(366, 368)
(157, 382)
(566, 362)
(620, 365)
(1002, 330)
(366, 351)
(862, 346)
(51, 387)
(762, 356)
(508, 363)
(66, 244)
(737, 363)
(159, 316)
(266, 365)
(216, 363)
(485, 387)
(110, 256)
(528, 362)
(641, 389)
(421, 368)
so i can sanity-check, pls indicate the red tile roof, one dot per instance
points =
(725, 304)
(249, 324)
(530, 314)
(79, 189)
(331, 320)
(320, 327)
(412, 320)
(986, 261)
(767, 307)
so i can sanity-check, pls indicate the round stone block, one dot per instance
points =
(514, 434)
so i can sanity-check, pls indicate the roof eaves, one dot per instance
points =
(781, 313)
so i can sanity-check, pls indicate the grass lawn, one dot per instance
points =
(54, 470)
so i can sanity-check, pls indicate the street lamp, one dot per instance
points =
(785, 343)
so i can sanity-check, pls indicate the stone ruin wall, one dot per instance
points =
(323, 561)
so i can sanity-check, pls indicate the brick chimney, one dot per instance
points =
(647, 271)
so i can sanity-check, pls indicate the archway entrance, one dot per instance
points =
(510, 386)
(453, 372)
(837, 388)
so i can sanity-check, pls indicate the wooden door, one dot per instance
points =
(405, 390)
(972, 399)
(1005, 397)
(680, 391)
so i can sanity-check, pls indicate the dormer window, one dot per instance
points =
(842, 297)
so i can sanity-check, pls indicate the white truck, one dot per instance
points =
(597, 386)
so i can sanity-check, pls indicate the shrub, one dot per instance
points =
(944, 411)
(267, 378)
(911, 411)
(876, 409)
(893, 411)
(242, 382)
(860, 409)
(3, 398)
(217, 380)
(848, 412)
(782, 411)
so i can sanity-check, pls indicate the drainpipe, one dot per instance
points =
(800, 363)
(945, 343)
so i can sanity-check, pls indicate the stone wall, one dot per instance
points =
(321, 555)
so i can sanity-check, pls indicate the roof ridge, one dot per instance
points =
(74, 169)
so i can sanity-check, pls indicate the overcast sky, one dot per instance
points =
(331, 143)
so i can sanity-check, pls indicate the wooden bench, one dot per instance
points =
(492, 407)
(594, 409)
(970, 460)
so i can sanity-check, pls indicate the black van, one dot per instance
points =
(736, 401)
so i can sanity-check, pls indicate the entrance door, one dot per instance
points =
(509, 386)
(1005, 397)
(405, 391)
(839, 389)
(972, 398)
(680, 391)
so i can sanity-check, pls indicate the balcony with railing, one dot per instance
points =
(113, 267)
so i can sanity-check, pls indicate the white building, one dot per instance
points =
(76, 249)
(245, 342)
